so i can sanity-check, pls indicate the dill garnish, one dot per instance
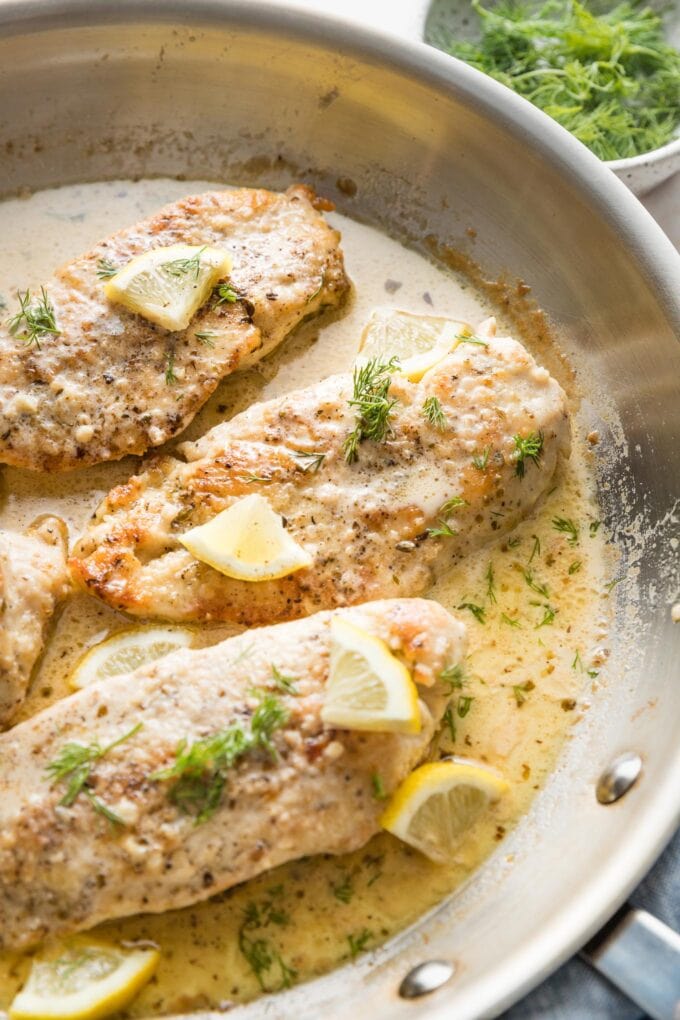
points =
(574, 567)
(536, 548)
(379, 791)
(540, 589)
(464, 705)
(105, 269)
(73, 766)
(527, 448)
(308, 460)
(184, 267)
(452, 504)
(224, 294)
(462, 339)
(478, 612)
(594, 527)
(511, 621)
(265, 961)
(35, 321)
(283, 682)
(521, 690)
(200, 771)
(357, 943)
(344, 890)
(373, 406)
(453, 676)
(608, 76)
(481, 461)
(450, 723)
(442, 531)
(432, 410)
(490, 583)
(567, 527)
(170, 377)
(206, 338)
(548, 616)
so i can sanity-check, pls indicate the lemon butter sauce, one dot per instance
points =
(534, 602)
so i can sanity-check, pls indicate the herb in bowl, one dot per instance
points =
(610, 77)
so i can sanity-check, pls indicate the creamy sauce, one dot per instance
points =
(528, 663)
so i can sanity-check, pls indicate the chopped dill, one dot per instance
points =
(184, 267)
(481, 461)
(594, 527)
(521, 690)
(540, 589)
(379, 791)
(513, 542)
(357, 943)
(490, 583)
(536, 548)
(308, 460)
(478, 612)
(574, 567)
(433, 411)
(607, 75)
(527, 448)
(105, 269)
(373, 406)
(207, 339)
(548, 616)
(284, 683)
(73, 766)
(463, 339)
(452, 676)
(224, 294)
(450, 723)
(452, 504)
(200, 770)
(511, 621)
(567, 527)
(344, 890)
(464, 705)
(444, 530)
(33, 322)
(170, 377)
(610, 585)
(265, 961)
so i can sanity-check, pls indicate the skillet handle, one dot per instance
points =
(641, 956)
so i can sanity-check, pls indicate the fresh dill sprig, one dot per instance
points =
(184, 267)
(478, 612)
(205, 338)
(608, 76)
(433, 411)
(511, 621)
(308, 460)
(463, 339)
(567, 527)
(574, 567)
(527, 448)
(521, 690)
(286, 684)
(344, 890)
(452, 676)
(449, 721)
(536, 548)
(106, 269)
(455, 503)
(379, 791)
(443, 530)
(481, 460)
(530, 580)
(464, 705)
(170, 377)
(199, 773)
(73, 766)
(548, 616)
(265, 961)
(34, 321)
(373, 405)
(224, 294)
(594, 527)
(490, 583)
(357, 943)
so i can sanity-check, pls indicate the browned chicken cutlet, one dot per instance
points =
(384, 526)
(110, 383)
(66, 867)
(33, 578)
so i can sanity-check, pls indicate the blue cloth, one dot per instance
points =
(575, 991)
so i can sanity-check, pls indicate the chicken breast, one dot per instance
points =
(131, 841)
(33, 578)
(383, 526)
(110, 383)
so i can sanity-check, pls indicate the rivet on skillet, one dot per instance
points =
(426, 978)
(619, 777)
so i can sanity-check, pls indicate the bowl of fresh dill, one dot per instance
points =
(608, 73)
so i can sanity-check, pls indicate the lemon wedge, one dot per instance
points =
(368, 688)
(127, 650)
(418, 341)
(439, 802)
(168, 285)
(86, 980)
(247, 541)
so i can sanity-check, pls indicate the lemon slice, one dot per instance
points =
(126, 651)
(247, 541)
(169, 285)
(418, 341)
(368, 688)
(439, 802)
(85, 981)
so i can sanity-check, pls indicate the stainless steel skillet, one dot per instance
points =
(424, 147)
